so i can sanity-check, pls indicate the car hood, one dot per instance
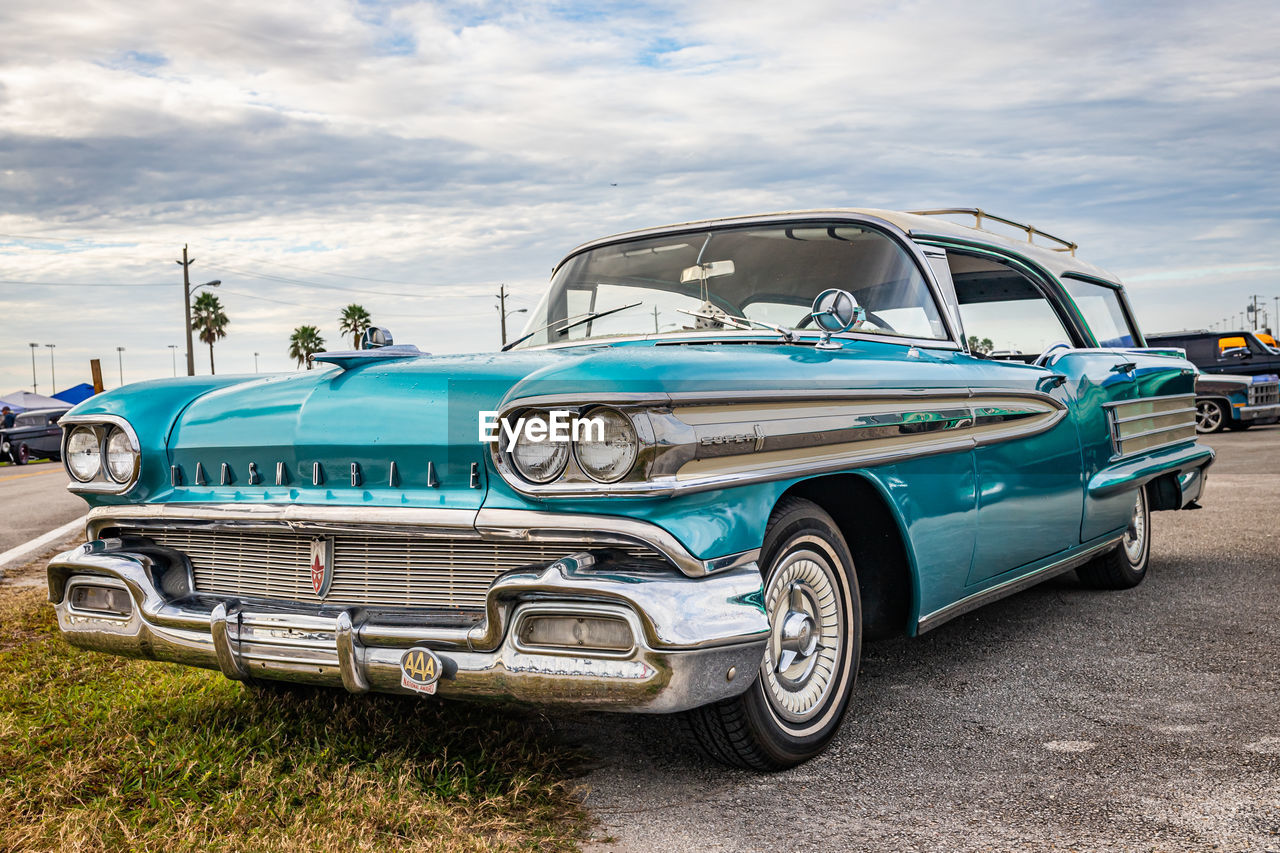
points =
(334, 434)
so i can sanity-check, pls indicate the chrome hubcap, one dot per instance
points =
(1208, 417)
(804, 640)
(1135, 537)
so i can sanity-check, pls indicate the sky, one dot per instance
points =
(412, 157)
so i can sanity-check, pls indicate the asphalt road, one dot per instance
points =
(34, 500)
(1061, 718)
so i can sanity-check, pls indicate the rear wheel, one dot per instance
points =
(1211, 416)
(1124, 566)
(795, 705)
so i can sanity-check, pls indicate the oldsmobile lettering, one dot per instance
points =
(721, 457)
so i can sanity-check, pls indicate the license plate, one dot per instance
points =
(420, 669)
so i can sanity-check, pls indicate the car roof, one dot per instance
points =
(916, 225)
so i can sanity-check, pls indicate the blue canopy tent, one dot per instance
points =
(21, 401)
(75, 394)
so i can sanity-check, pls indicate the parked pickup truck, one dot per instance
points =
(721, 455)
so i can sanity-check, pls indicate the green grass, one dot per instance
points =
(98, 752)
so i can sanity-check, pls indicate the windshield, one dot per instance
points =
(710, 280)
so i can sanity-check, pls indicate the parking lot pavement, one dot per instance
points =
(34, 500)
(1060, 718)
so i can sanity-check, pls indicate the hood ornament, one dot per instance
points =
(375, 345)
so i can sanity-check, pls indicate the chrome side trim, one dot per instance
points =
(1009, 587)
(697, 441)
(490, 524)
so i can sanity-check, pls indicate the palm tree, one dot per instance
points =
(209, 320)
(354, 321)
(304, 343)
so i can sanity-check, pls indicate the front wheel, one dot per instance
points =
(21, 455)
(794, 707)
(1211, 416)
(1124, 566)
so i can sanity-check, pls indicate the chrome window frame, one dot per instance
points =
(953, 340)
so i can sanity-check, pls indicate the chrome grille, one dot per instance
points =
(1149, 423)
(368, 569)
(1264, 393)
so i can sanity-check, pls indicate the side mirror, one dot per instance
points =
(835, 311)
(375, 338)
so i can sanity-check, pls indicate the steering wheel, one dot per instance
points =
(1043, 359)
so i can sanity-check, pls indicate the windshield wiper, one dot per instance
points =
(743, 323)
(577, 320)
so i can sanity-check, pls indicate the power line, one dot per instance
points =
(319, 272)
(305, 283)
(86, 284)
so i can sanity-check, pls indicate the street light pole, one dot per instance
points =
(120, 359)
(255, 362)
(53, 377)
(35, 389)
(187, 290)
(173, 356)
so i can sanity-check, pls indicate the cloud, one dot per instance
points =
(453, 146)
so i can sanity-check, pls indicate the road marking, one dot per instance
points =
(26, 549)
(30, 474)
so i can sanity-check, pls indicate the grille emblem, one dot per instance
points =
(321, 565)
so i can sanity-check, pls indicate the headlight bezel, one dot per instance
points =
(573, 479)
(103, 427)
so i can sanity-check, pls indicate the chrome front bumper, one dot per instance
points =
(1264, 412)
(696, 640)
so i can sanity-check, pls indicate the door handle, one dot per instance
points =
(1053, 380)
(1125, 367)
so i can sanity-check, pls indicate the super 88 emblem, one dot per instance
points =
(321, 565)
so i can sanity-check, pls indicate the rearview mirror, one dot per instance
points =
(702, 272)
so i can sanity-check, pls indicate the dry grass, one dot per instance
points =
(101, 753)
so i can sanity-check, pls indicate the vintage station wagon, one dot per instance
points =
(802, 430)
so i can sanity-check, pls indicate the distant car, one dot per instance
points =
(1236, 402)
(1239, 353)
(34, 435)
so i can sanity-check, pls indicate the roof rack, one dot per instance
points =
(978, 214)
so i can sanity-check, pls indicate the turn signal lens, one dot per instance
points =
(84, 454)
(576, 632)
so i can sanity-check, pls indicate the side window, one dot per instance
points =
(1101, 308)
(1004, 313)
(1201, 350)
(1232, 348)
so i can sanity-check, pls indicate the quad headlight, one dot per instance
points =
(103, 455)
(538, 459)
(84, 453)
(607, 447)
(602, 442)
(122, 456)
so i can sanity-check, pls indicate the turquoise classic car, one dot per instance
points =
(722, 455)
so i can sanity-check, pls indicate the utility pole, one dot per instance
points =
(1253, 309)
(504, 313)
(120, 359)
(186, 304)
(53, 377)
(35, 388)
(173, 356)
(502, 309)
(186, 307)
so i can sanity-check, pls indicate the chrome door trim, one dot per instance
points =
(1009, 587)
